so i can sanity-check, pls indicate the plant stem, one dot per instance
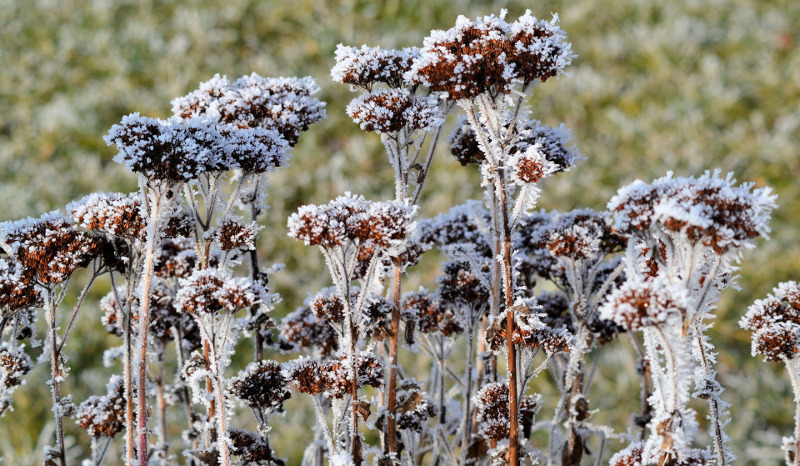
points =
(162, 410)
(55, 389)
(392, 398)
(144, 319)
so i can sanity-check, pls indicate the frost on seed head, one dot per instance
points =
(365, 66)
(775, 323)
(392, 110)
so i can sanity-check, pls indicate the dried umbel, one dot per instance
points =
(252, 448)
(459, 285)
(14, 365)
(708, 210)
(493, 414)
(213, 291)
(580, 234)
(262, 386)
(302, 329)
(305, 375)
(639, 304)
(363, 67)
(529, 331)
(414, 407)
(465, 224)
(422, 312)
(234, 234)
(115, 214)
(327, 305)
(17, 290)
(104, 416)
(464, 144)
(50, 246)
(393, 110)
(775, 323)
(285, 105)
(488, 54)
(165, 151)
(350, 218)
(177, 258)
(338, 378)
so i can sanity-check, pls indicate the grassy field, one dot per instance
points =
(685, 86)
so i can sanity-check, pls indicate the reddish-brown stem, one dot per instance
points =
(144, 319)
(354, 394)
(162, 410)
(508, 291)
(392, 398)
(55, 389)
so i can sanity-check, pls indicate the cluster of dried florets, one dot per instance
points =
(392, 110)
(104, 416)
(364, 67)
(487, 55)
(775, 323)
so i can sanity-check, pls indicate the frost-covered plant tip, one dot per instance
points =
(519, 294)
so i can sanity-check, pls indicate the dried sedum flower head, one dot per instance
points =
(349, 219)
(540, 49)
(282, 104)
(303, 329)
(50, 246)
(414, 407)
(493, 412)
(166, 151)
(254, 150)
(14, 364)
(304, 373)
(365, 66)
(580, 234)
(553, 143)
(468, 60)
(104, 416)
(425, 314)
(115, 214)
(529, 330)
(252, 448)
(213, 291)
(464, 144)
(234, 234)
(462, 224)
(262, 386)
(338, 379)
(639, 304)
(393, 110)
(775, 323)
(488, 54)
(177, 258)
(708, 210)
(459, 285)
(17, 290)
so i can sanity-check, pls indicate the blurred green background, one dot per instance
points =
(684, 86)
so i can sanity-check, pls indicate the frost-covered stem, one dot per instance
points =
(99, 449)
(222, 428)
(423, 176)
(144, 319)
(127, 371)
(791, 367)
(77, 308)
(713, 403)
(392, 396)
(508, 281)
(324, 425)
(468, 394)
(162, 410)
(644, 367)
(187, 399)
(55, 389)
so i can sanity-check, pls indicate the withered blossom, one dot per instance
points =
(639, 304)
(775, 323)
(213, 291)
(493, 412)
(262, 386)
(234, 234)
(50, 246)
(365, 66)
(392, 110)
(104, 416)
(115, 214)
(302, 329)
(14, 365)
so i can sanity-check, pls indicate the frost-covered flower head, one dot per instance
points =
(488, 54)
(17, 290)
(262, 385)
(493, 412)
(460, 285)
(414, 407)
(392, 110)
(104, 416)
(363, 67)
(115, 214)
(464, 144)
(302, 329)
(14, 364)
(530, 330)
(350, 218)
(304, 373)
(234, 234)
(176, 258)
(213, 291)
(462, 224)
(708, 210)
(422, 312)
(639, 304)
(166, 151)
(337, 374)
(580, 234)
(775, 323)
(254, 150)
(551, 142)
(282, 104)
(50, 246)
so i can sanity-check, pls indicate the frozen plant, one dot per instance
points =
(775, 323)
